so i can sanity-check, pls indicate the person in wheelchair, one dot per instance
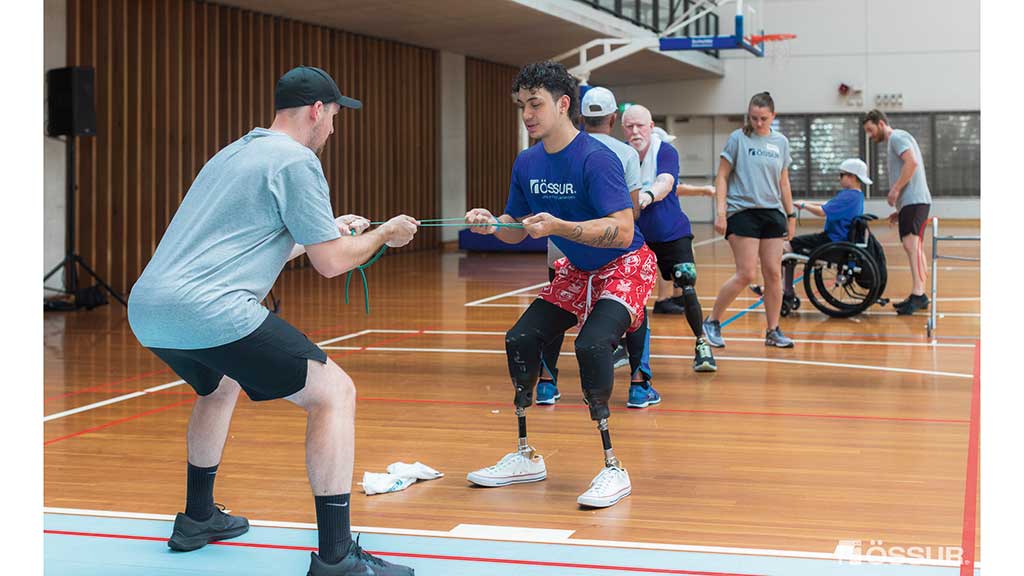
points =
(844, 265)
(839, 212)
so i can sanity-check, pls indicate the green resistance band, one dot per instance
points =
(436, 222)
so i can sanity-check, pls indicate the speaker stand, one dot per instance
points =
(72, 259)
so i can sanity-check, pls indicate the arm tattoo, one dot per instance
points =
(577, 232)
(608, 239)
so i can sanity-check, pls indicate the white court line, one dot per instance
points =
(653, 337)
(514, 292)
(753, 299)
(147, 391)
(678, 357)
(761, 311)
(348, 337)
(542, 536)
(504, 294)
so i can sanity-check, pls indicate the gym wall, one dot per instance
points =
(177, 80)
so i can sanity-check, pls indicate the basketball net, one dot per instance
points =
(777, 48)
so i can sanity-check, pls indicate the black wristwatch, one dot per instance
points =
(649, 193)
(791, 215)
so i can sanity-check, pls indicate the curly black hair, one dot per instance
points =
(551, 76)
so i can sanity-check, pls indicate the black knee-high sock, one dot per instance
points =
(694, 315)
(199, 497)
(550, 357)
(635, 342)
(334, 527)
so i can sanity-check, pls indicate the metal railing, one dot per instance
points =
(933, 313)
(656, 15)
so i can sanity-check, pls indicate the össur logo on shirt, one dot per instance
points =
(551, 188)
(770, 151)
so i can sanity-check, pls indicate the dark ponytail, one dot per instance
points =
(761, 100)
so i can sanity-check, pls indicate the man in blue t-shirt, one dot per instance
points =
(667, 231)
(838, 212)
(259, 202)
(570, 187)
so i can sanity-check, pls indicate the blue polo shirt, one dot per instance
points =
(583, 181)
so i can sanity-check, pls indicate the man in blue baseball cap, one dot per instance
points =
(258, 203)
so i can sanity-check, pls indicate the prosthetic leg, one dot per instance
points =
(684, 275)
(539, 325)
(594, 348)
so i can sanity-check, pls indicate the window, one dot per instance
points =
(957, 169)
(832, 140)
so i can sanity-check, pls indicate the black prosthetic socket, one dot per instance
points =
(551, 349)
(685, 276)
(595, 345)
(537, 327)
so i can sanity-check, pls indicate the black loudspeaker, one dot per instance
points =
(71, 101)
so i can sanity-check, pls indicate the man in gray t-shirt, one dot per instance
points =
(257, 203)
(909, 194)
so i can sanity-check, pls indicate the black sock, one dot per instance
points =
(335, 529)
(199, 498)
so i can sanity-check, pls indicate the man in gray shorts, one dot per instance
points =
(257, 203)
(909, 194)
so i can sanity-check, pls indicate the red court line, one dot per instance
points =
(101, 387)
(120, 421)
(971, 482)
(424, 556)
(680, 411)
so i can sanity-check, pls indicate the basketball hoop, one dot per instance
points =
(779, 54)
(755, 40)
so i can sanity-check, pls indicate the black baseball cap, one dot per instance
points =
(304, 85)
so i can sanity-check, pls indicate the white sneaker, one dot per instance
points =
(607, 488)
(514, 468)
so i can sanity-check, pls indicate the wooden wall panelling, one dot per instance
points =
(177, 80)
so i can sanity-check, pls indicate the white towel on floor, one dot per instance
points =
(398, 477)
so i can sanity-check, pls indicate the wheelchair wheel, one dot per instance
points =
(789, 303)
(842, 279)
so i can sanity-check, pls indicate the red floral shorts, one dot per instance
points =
(628, 279)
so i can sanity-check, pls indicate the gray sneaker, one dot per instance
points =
(713, 333)
(775, 337)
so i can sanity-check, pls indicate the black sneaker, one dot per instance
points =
(357, 562)
(913, 304)
(620, 357)
(189, 534)
(703, 360)
(667, 306)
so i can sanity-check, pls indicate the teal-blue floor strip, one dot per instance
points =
(100, 546)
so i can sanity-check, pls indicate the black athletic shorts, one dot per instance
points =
(757, 223)
(270, 363)
(671, 253)
(807, 243)
(912, 219)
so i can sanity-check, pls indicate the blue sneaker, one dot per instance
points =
(642, 395)
(547, 392)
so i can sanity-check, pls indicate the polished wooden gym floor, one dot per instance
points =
(861, 432)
